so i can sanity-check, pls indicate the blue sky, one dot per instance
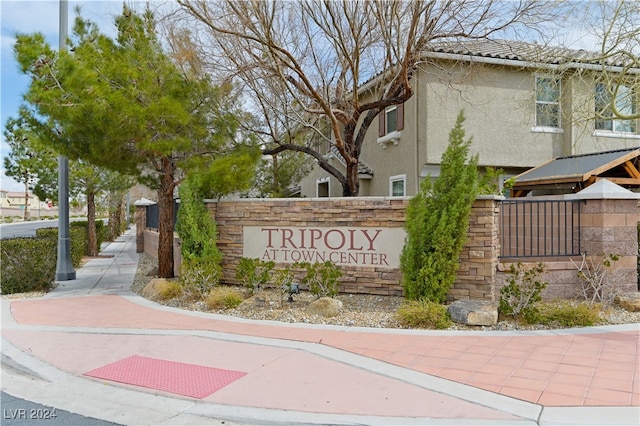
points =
(29, 16)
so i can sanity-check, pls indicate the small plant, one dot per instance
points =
(223, 298)
(565, 313)
(254, 274)
(283, 281)
(199, 276)
(489, 182)
(423, 314)
(172, 290)
(518, 298)
(322, 279)
(598, 285)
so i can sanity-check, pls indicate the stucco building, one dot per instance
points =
(524, 105)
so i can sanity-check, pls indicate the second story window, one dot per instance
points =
(547, 102)
(391, 120)
(625, 103)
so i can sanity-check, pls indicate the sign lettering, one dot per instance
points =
(352, 246)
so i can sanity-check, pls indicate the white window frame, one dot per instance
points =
(388, 110)
(614, 122)
(398, 178)
(389, 136)
(557, 102)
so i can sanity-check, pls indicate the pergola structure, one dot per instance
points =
(573, 173)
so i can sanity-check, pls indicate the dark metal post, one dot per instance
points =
(64, 267)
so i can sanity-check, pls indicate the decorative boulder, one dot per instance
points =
(629, 302)
(155, 287)
(325, 306)
(474, 312)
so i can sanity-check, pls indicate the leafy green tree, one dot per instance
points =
(92, 181)
(437, 222)
(126, 105)
(118, 187)
(29, 161)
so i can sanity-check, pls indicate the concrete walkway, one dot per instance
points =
(300, 373)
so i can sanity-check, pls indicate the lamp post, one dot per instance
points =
(64, 267)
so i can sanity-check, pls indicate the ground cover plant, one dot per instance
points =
(423, 314)
(518, 298)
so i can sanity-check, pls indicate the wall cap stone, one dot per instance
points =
(144, 202)
(603, 189)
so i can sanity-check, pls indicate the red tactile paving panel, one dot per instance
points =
(191, 380)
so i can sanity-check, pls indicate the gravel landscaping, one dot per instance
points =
(358, 310)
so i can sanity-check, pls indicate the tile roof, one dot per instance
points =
(520, 51)
(363, 168)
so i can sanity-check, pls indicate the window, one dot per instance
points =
(322, 187)
(397, 185)
(390, 122)
(547, 102)
(391, 119)
(626, 104)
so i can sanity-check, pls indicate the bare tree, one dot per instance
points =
(312, 64)
(620, 59)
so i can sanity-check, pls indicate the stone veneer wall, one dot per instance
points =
(478, 259)
(607, 227)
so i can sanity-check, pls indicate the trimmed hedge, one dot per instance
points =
(78, 237)
(102, 231)
(27, 264)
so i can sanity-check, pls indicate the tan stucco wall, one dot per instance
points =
(499, 105)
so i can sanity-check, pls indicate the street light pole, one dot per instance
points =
(64, 267)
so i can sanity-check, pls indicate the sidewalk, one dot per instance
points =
(94, 348)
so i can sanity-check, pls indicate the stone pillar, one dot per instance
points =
(608, 226)
(476, 278)
(140, 218)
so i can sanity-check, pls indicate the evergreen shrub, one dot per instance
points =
(437, 222)
(201, 267)
(77, 237)
(27, 264)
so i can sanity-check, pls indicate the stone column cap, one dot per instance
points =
(144, 202)
(603, 189)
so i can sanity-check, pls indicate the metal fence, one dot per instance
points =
(153, 214)
(539, 228)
